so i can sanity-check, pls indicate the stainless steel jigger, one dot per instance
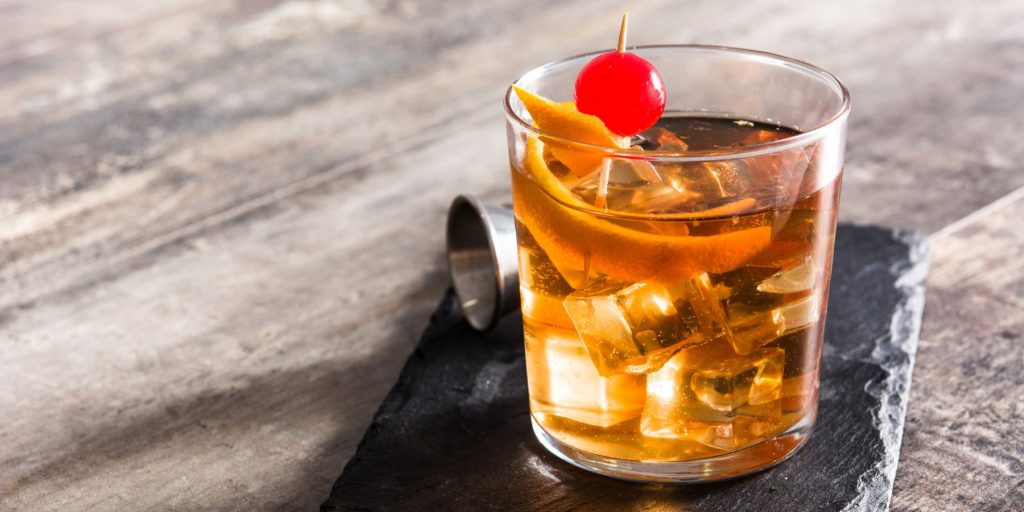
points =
(482, 260)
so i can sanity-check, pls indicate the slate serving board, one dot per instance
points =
(454, 433)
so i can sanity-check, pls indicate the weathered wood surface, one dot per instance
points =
(220, 222)
(962, 445)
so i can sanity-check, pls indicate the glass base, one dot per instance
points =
(722, 467)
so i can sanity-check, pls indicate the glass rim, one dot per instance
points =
(801, 139)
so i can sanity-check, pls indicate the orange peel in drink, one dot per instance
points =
(570, 235)
(564, 121)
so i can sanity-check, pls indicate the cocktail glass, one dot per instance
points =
(674, 297)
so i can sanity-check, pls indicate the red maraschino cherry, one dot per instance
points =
(622, 89)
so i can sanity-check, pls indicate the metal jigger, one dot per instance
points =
(482, 260)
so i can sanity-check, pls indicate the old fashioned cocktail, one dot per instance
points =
(674, 282)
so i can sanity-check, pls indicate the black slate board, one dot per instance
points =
(454, 433)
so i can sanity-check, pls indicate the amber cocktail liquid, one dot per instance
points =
(674, 295)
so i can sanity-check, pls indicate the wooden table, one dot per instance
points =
(220, 223)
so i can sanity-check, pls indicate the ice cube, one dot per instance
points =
(798, 314)
(793, 238)
(750, 313)
(659, 198)
(798, 278)
(711, 183)
(762, 305)
(563, 381)
(729, 384)
(669, 397)
(750, 328)
(708, 395)
(742, 289)
(634, 185)
(636, 327)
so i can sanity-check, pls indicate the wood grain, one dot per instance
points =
(962, 441)
(36, 28)
(220, 221)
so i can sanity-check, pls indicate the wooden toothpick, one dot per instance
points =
(601, 201)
